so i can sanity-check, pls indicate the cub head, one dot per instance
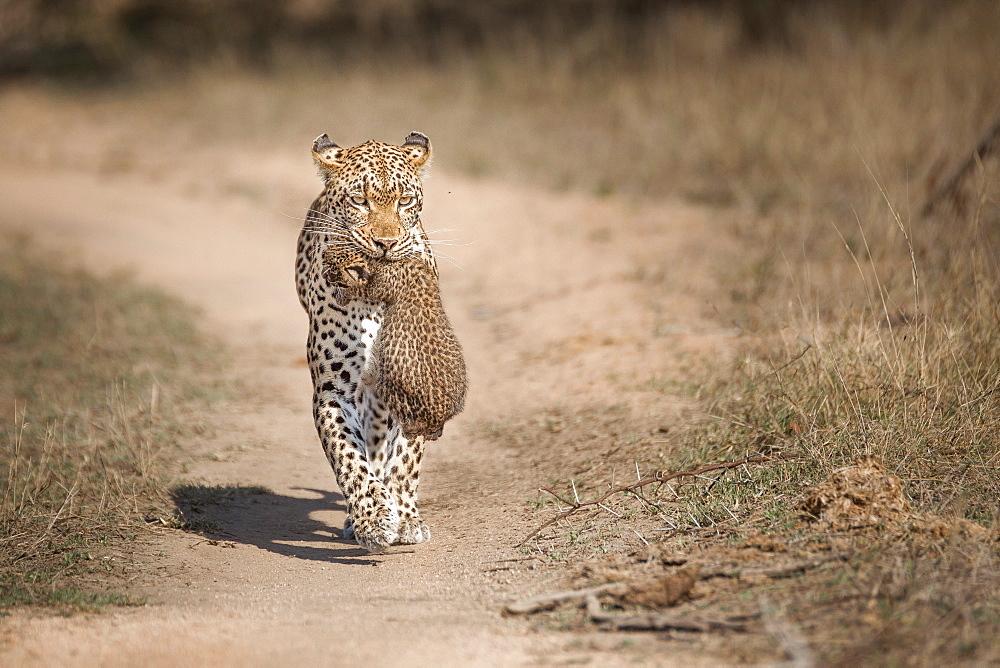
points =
(348, 275)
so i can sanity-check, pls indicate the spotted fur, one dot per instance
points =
(370, 204)
(416, 366)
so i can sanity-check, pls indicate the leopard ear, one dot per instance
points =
(328, 156)
(418, 149)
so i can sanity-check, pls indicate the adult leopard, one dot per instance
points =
(371, 203)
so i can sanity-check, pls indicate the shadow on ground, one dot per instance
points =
(254, 515)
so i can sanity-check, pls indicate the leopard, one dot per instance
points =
(417, 368)
(371, 203)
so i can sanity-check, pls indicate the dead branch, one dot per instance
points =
(653, 621)
(549, 601)
(663, 590)
(658, 621)
(951, 190)
(658, 477)
(770, 571)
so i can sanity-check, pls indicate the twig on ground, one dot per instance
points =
(658, 477)
(626, 589)
(640, 536)
(655, 621)
(549, 601)
(778, 571)
(609, 510)
(659, 621)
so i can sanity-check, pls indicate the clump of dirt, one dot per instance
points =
(663, 591)
(863, 495)
(937, 527)
(857, 496)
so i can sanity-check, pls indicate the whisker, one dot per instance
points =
(323, 218)
(444, 256)
(320, 226)
(324, 228)
(447, 242)
(453, 262)
(327, 217)
(303, 220)
(443, 229)
(413, 253)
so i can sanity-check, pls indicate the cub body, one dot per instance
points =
(416, 366)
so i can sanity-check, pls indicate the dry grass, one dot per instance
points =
(889, 348)
(95, 379)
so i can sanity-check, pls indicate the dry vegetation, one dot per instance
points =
(95, 376)
(871, 331)
(816, 130)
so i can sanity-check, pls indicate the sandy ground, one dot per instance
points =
(559, 300)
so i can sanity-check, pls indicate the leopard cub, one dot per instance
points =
(416, 365)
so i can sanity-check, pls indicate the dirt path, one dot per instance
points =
(544, 290)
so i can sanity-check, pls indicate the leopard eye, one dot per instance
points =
(359, 200)
(405, 201)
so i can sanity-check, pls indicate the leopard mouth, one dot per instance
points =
(386, 254)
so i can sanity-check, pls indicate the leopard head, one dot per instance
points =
(374, 194)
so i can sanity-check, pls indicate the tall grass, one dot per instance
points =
(896, 353)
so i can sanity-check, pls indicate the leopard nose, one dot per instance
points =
(385, 245)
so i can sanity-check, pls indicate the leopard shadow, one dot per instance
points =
(254, 515)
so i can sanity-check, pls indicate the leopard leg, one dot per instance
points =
(372, 512)
(396, 461)
(382, 444)
(373, 420)
(402, 480)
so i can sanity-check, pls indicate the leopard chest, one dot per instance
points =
(341, 337)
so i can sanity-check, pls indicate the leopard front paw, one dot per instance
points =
(377, 530)
(413, 530)
(348, 532)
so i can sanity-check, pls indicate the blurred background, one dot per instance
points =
(758, 104)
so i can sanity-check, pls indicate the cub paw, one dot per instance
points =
(377, 530)
(348, 532)
(413, 530)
